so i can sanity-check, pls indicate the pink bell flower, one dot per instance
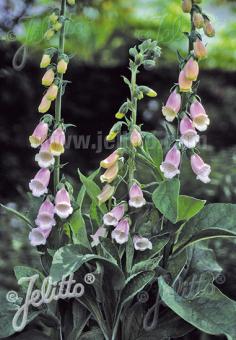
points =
(136, 138)
(199, 116)
(141, 243)
(101, 232)
(136, 198)
(39, 184)
(39, 135)
(121, 233)
(110, 160)
(63, 206)
(38, 236)
(200, 49)
(189, 136)
(110, 174)
(201, 169)
(45, 158)
(115, 215)
(170, 166)
(57, 142)
(191, 69)
(185, 85)
(172, 107)
(45, 218)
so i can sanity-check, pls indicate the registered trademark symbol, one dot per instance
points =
(89, 279)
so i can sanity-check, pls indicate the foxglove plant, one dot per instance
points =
(129, 228)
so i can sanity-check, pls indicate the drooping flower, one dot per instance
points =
(199, 116)
(38, 236)
(200, 49)
(57, 142)
(208, 28)
(39, 135)
(45, 158)
(39, 184)
(115, 215)
(101, 232)
(189, 136)
(170, 166)
(106, 194)
(48, 77)
(45, 218)
(62, 66)
(191, 69)
(172, 107)
(110, 174)
(49, 34)
(198, 20)
(186, 6)
(136, 198)
(44, 105)
(63, 206)
(121, 233)
(141, 243)
(110, 160)
(136, 138)
(185, 85)
(45, 61)
(52, 92)
(200, 168)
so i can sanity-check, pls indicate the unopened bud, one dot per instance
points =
(186, 6)
(57, 26)
(136, 138)
(62, 66)
(200, 50)
(49, 34)
(185, 85)
(52, 92)
(122, 111)
(208, 28)
(48, 77)
(148, 91)
(114, 131)
(71, 2)
(46, 61)
(198, 20)
(191, 69)
(53, 18)
(44, 105)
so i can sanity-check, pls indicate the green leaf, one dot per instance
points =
(94, 334)
(68, 260)
(78, 228)
(32, 334)
(129, 254)
(153, 148)
(110, 251)
(214, 220)
(150, 264)
(21, 272)
(211, 312)
(17, 214)
(189, 207)
(165, 199)
(80, 319)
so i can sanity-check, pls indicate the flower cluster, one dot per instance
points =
(49, 137)
(184, 103)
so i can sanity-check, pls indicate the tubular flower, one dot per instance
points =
(191, 69)
(121, 233)
(136, 138)
(208, 28)
(186, 6)
(200, 49)
(63, 206)
(106, 194)
(52, 92)
(45, 218)
(101, 232)
(39, 184)
(45, 158)
(199, 116)
(46, 61)
(39, 135)
(185, 85)
(189, 136)
(115, 215)
(136, 198)
(198, 20)
(38, 236)
(110, 174)
(62, 66)
(48, 77)
(170, 166)
(172, 107)
(44, 105)
(201, 169)
(57, 142)
(110, 160)
(141, 243)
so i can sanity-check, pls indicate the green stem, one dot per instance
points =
(61, 49)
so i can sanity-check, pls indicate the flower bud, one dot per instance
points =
(136, 138)
(114, 131)
(186, 6)
(62, 66)
(63, 206)
(52, 92)
(208, 28)
(136, 198)
(172, 107)
(201, 169)
(110, 160)
(148, 91)
(191, 69)
(53, 18)
(198, 20)
(170, 166)
(46, 61)
(49, 34)
(185, 85)
(44, 105)
(71, 2)
(200, 50)
(48, 77)
(106, 194)
(197, 1)
(39, 135)
(121, 233)
(110, 174)
(141, 243)
(57, 26)
(57, 142)
(122, 111)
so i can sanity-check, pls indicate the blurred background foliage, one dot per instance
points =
(99, 36)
